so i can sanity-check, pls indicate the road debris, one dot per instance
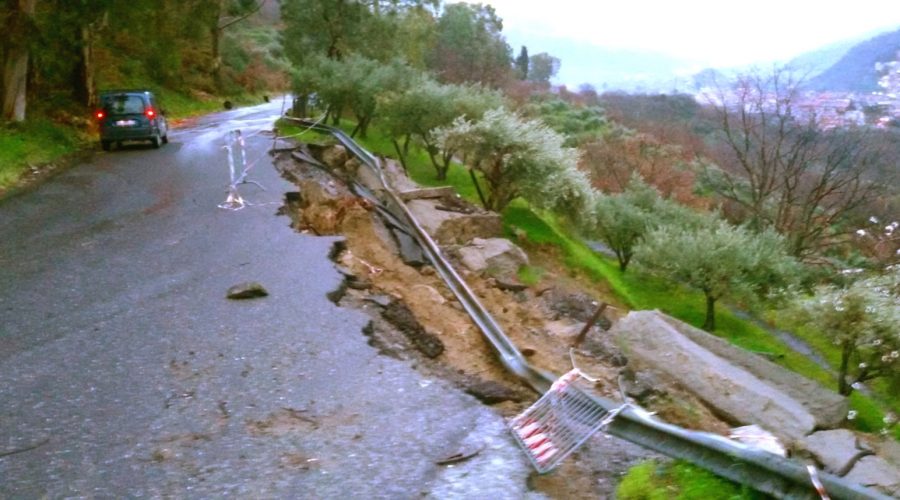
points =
(247, 290)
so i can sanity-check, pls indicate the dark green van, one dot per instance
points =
(131, 115)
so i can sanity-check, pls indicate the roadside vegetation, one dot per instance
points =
(59, 55)
(705, 219)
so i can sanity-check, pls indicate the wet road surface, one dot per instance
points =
(125, 372)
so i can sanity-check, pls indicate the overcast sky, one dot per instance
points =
(717, 33)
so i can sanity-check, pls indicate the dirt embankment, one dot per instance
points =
(416, 317)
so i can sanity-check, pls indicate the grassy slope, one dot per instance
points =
(636, 290)
(33, 143)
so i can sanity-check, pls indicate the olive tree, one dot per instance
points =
(718, 259)
(517, 157)
(621, 220)
(426, 105)
(353, 84)
(863, 321)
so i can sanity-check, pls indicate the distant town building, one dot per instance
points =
(831, 110)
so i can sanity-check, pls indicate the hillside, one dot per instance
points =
(855, 71)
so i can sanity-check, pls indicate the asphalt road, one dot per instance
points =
(125, 372)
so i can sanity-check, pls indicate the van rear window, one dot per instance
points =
(125, 104)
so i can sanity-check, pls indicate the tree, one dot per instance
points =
(518, 157)
(470, 47)
(614, 157)
(376, 29)
(718, 259)
(522, 63)
(427, 105)
(621, 220)
(863, 321)
(321, 27)
(353, 83)
(15, 52)
(579, 124)
(782, 169)
(223, 14)
(542, 67)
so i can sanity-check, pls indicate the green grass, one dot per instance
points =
(678, 480)
(640, 291)
(287, 128)
(33, 143)
(530, 275)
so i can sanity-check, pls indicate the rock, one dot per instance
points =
(602, 345)
(380, 300)
(641, 384)
(837, 450)
(876, 472)
(510, 284)
(325, 206)
(399, 315)
(577, 306)
(427, 193)
(335, 156)
(358, 282)
(352, 166)
(247, 290)
(488, 391)
(889, 449)
(410, 251)
(738, 396)
(453, 228)
(496, 257)
(827, 407)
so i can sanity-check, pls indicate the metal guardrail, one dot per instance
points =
(757, 469)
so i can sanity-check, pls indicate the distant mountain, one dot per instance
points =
(814, 63)
(605, 69)
(855, 71)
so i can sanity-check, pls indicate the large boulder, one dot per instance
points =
(876, 472)
(828, 407)
(651, 342)
(455, 228)
(497, 257)
(837, 450)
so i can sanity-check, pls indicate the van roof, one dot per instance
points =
(125, 91)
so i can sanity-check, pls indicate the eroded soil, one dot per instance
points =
(416, 317)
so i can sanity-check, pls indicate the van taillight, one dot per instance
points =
(150, 113)
(100, 115)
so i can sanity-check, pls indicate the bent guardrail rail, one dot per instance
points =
(760, 470)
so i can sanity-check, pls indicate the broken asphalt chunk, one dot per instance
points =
(247, 290)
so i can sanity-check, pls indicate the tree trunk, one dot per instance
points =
(623, 259)
(15, 73)
(400, 155)
(844, 389)
(84, 84)
(15, 67)
(215, 34)
(484, 202)
(710, 323)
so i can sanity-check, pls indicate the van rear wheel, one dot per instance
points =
(156, 140)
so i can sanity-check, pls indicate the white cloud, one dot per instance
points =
(707, 32)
